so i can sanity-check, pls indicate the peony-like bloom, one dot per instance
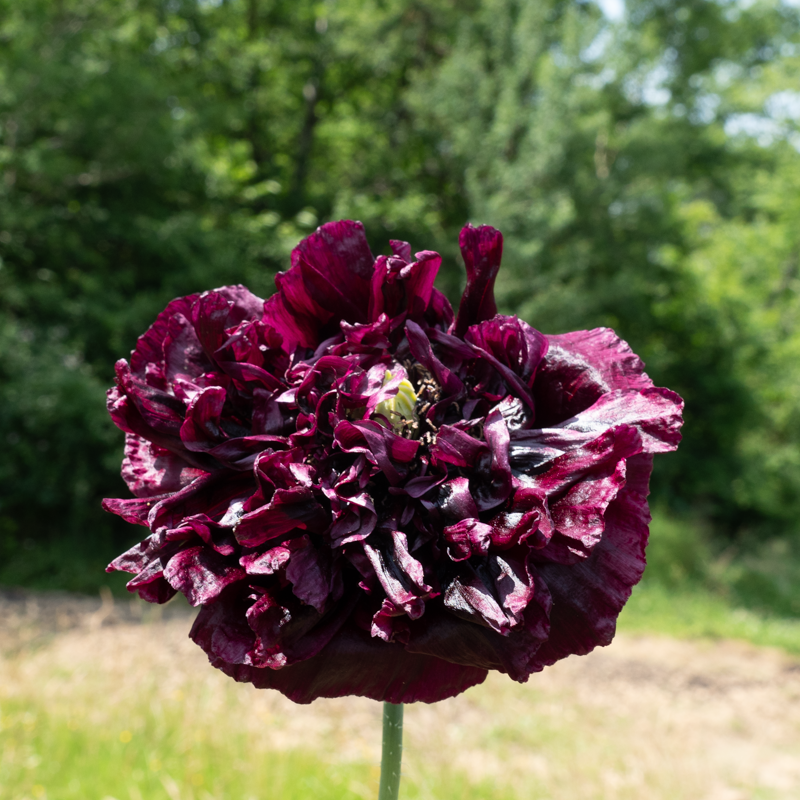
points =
(366, 495)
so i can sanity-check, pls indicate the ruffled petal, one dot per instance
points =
(201, 575)
(579, 368)
(146, 561)
(293, 314)
(655, 413)
(201, 428)
(150, 345)
(215, 312)
(294, 509)
(160, 411)
(400, 286)
(150, 470)
(579, 487)
(390, 452)
(183, 352)
(513, 348)
(482, 250)
(127, 418)
(399, 573)
(336, 265)
(460, 640)
(588, 596)
(354, 663)
(289, 634)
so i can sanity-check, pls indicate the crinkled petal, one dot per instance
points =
(588, 596)
(244, 304)
(655, 413)
(211, 494)
(150, 345)
(513, 347)
(138, 557)
(354, 663)
(151, 470)
(146, 561)
(201, 574)
(579, 486)
(495, 487)
(336, 265)
(460, 640)
(579, 368)
(468, 537)
(402, 286)
(422, 351)
(221, 628)
(134, 511)
(454, 446)
(380, 445)
(454, 501)
(161, 411)
(284, 635)
(310, 571)
(399, 573)
(288, 510)
(355, 519)
(467, 595)
(201, 429)
(127, 418)
(293, 314)
(183, 352)
(482, 250)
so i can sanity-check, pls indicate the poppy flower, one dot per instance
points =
(366, 494)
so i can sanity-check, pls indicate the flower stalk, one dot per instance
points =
(392, 753)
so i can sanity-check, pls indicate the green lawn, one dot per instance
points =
(145, 752)
(695, 586)
(695, 612)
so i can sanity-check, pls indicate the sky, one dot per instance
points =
(613, 9)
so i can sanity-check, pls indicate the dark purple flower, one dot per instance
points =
(367, 496)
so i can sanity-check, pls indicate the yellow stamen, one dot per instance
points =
(401, 408)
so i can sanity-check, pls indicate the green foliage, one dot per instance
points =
(643, 172)
(698, 586)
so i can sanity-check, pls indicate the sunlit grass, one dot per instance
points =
(82, 727)
(151, 754)
(693, 589)
(694, 612)
(135, 713)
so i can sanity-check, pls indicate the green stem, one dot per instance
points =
(392, 751)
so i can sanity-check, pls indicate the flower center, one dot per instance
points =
(401, 409)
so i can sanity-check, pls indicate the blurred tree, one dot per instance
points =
(642, 171)
(592, 145)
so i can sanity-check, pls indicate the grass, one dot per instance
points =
(86, 725)
(135, 713)
(151, 755)
(695, 612)
(694, 587)
(154, 755)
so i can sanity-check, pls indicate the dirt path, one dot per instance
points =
(645, 718)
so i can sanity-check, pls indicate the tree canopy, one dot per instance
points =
(643, 171)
